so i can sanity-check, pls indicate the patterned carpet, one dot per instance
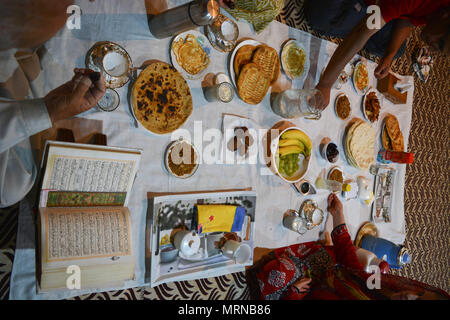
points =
(427, 194)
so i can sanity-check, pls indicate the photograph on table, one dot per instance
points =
(199, 235)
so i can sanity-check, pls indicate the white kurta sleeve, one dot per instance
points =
(20, 120)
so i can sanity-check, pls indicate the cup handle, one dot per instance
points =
(316, 116)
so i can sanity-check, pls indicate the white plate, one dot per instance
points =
(363, 106)
(231, 70)
(303, 164)
(360, 92)
(204, 43)
(305, 66)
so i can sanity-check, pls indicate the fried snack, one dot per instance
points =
(372, 106)
(161, 98)
(252, 84)
(392, 137)
(362, 77)
(267, 58)
(243, 56)
(190, 54)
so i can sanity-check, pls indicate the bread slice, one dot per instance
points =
(252, 84)
(267, 58)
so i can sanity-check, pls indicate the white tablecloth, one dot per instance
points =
(125, 23)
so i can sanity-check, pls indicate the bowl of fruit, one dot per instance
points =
(291, 152)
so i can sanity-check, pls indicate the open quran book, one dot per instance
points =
(84, 235)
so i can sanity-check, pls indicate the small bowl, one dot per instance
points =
(166, 159)
(168, 253)
(338, 97)
(323, 152)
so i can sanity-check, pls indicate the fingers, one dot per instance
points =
(331, 199)
(81, 88)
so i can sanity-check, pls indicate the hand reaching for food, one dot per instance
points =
(383, 68)
(336, 210)
(76, 96)
(326, 95)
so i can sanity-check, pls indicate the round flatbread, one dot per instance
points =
(190, 54)
(362, 145)
(161, 98)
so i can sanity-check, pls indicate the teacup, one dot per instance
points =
(239, 252)
(115, 64)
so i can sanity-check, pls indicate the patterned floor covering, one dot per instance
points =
(427, 195)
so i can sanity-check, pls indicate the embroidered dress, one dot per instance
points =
(335, 272)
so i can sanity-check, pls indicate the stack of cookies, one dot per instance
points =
(256, 68)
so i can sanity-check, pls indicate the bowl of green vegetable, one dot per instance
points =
(291, 153)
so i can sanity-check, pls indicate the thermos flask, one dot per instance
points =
(396, 256)
(182, 18)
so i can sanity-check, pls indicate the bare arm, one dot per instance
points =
(400, 32)
(353, 43)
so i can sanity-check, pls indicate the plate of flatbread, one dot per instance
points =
(253, 68)
(161, 99)
(359, 144)
(190, 53)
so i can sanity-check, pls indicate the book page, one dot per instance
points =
(80, 233)
(75, 167)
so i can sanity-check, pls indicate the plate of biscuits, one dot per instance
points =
(254, 67)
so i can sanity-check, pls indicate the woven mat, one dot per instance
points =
(427, 194)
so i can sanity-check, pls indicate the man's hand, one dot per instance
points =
(383, 68)
(75, 96)
(325, 90)
(302, 285)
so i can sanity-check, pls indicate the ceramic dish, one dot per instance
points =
(363, 105)
(283, 58)
(355, 70)
(95, 59)
(339, 96)
(323, 152)
(303, 161)
(204, 44)
(166, 159)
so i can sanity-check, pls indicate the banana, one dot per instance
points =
(283, 151)
(299, 135)
(291, 142)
